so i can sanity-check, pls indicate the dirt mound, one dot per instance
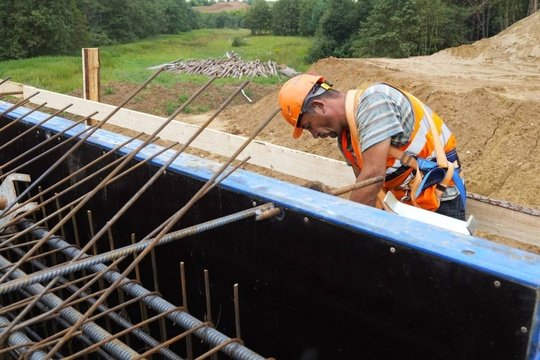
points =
(223, 6)
(520, 42)
(492, 107)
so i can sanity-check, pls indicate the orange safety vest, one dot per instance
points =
(420, 144)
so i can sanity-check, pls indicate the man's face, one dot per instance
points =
(319, 124)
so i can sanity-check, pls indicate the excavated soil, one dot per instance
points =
(223, 6)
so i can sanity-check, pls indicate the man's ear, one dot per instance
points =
(320, 105)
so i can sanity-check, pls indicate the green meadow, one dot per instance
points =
(129, 62)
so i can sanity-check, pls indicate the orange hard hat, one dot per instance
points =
(292, 97)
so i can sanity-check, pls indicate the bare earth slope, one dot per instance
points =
(223, 6)
(488, 93)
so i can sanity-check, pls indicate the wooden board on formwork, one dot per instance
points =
(504, 222)
(491, 219)
(10, 87)
(274, 157)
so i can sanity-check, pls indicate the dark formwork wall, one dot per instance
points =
(309, 289)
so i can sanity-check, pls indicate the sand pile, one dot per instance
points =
(520, 42)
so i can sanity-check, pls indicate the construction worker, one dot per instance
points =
(381, 131)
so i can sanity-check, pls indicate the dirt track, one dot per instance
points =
(487, 92)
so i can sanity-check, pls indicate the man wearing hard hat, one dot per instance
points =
(382, 131)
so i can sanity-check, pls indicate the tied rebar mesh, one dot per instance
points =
(56, 296)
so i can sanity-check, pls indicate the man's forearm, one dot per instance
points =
(368, 194)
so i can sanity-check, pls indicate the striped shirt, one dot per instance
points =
(383, 112)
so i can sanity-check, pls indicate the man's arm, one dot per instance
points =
(374, 164)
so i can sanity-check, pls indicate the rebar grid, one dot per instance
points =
(92, 313)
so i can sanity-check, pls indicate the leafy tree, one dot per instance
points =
(488, 17)
(310, 13)
(259, 18)
(31, 28)
(337, 27)
(177, 16)
(224, 19)
(441, 24)
(391, 30)
(285, 15)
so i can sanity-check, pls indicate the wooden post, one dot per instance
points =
(91, 76)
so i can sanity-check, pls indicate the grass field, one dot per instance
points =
(128, 62)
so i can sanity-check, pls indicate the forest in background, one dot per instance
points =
(341, 28)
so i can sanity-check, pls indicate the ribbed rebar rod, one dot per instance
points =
(21, 340)
(34, 336)
(18, 104)
(48, 118)
(86, 262)
(173, 340)
(23, 302)
(41, 144)
(70, 205)
(15, 121)
(82, 337)
(185, 320)
(79, 143)
(117, 318)
(178, 215)
(125, 332)
(37, 157)
(72, 186)
(92, 330)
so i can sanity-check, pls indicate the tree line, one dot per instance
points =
(385, 28)
(33, 27)
(342, 28)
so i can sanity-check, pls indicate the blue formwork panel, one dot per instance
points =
(333, 279)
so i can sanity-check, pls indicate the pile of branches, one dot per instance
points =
(230, 66)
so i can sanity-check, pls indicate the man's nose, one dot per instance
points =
(313, 133)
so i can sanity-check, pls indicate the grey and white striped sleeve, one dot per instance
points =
(377, 118)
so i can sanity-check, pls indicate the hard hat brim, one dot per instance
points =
(297, 132)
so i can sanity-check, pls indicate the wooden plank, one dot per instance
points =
(278, 158)
(10, 88)
(504, 222)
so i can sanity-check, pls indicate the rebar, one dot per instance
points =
(21, 341)
(18, 104)
(30, 129)
(94, 331)
(117, 318)
(89, 261)
(15, 121)
(81, 261)
(185, 320)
